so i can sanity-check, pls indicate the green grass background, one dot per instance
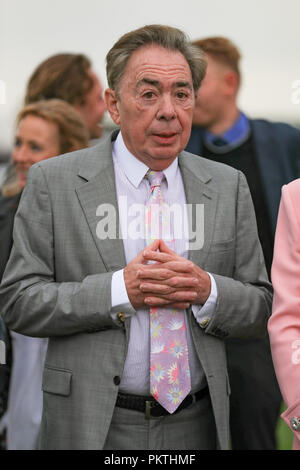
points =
(284, 434)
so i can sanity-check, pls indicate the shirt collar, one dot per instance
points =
(134, 169)
(237, 132)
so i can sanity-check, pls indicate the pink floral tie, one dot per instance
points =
(169, 366)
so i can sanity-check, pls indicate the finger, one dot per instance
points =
(157, 274)
(163, 247)
(151, 248)
(178, 296)
(157, 256)
(156, 289)
(169, 269)
(182, 296)
(154, 245)
(140, 258)
(181, 265)
(160, 302)
(169, 285)
(180, 282)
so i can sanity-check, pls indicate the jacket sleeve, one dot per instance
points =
(31, 301)
(284, 325)
(245, 299)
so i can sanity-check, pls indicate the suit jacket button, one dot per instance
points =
(117, 380)
(121, 316)
(295, 424)
(205, 322)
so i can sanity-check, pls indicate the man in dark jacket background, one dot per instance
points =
(269, 156)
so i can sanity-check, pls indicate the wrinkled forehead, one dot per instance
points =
(158, 64)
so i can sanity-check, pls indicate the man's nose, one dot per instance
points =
(166, 108)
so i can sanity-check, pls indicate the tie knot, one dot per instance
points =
(155, 178)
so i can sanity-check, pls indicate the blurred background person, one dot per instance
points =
(4, 158)
(284, 325)
(44, 129)
(5, 367)
(269, 156)
(70, 77)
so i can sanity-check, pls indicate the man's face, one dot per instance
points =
(94, 107)
(210, 101)
(154, 106)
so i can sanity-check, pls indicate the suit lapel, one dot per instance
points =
(97, 197)
(198, 193)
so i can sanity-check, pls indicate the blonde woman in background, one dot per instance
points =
(44, 129)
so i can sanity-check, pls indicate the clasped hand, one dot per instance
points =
(171, 281)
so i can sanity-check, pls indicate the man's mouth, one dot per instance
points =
(165, 138)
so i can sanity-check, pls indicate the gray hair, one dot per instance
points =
(165, 36)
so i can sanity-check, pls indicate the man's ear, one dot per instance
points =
(112, 105)
(231, 83)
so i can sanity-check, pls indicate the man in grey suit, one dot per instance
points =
(80, 275)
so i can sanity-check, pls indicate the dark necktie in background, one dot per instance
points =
(219, 142)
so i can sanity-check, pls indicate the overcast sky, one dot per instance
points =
(266, 31)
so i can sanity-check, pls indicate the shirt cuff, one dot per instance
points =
(119, 298)
(204, 313)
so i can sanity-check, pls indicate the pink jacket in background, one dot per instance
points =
(284, 324)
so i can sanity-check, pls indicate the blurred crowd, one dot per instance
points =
(63, 111)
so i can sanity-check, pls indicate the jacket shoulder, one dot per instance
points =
(64, 169)
(293, 189)
(70, 160)
(200, 164)
(275, 127)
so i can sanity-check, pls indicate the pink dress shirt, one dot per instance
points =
(284, 324)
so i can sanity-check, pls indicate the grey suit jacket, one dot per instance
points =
(57, 284)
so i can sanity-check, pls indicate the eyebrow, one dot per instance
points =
(183, 85)
(148, 81)
(157, 84)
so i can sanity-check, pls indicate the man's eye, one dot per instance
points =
(149, 95)
(181, 95)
